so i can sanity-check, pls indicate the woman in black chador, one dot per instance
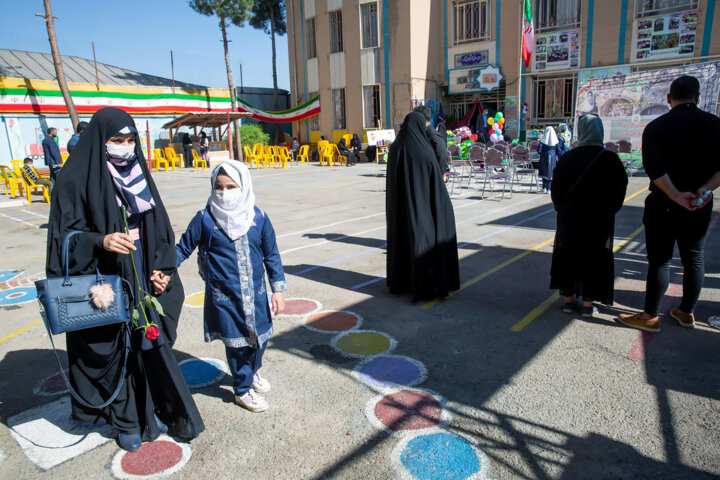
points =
(588, 189)
(108, 171)
(422, 256)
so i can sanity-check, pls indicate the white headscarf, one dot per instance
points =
(234, 218)
(550, 137)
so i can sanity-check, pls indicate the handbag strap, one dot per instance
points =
(65, 253)
(584, 174)
(72, 391)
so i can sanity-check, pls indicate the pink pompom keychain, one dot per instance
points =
(102, 296)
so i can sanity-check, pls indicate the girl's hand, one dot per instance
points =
(118, 243)
(278, 302)
(159, 281)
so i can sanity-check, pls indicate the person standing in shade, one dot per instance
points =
(588, 190)
(81, 127)
(684, 169)
(204, 147)
(422, 255)
(187, 150)
(53, 159)
(550, 149)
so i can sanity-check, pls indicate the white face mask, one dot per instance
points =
(228, 198)
(126, 152)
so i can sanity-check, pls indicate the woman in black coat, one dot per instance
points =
(107, 193)
(588, 189)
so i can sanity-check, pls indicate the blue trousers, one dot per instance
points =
(244, 363)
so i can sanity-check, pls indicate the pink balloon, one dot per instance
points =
(494, 137)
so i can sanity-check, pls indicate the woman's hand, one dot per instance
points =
(118, 243)
(278, 302)
(159, 281)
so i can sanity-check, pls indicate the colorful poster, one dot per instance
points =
(464, 80)
(511, 116)
(627, 103)
(557, 51)
(384, 137)
(665, 36)
(471, 59)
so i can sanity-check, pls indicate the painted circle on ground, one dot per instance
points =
(6, 275)
(52, 385)
(407, 410)
(201, 372)
(333, 321)
(15, 296)
(195, 300)
(157, 459)
(361, 343)
(297, 307)
(390, 371)
(438, 455)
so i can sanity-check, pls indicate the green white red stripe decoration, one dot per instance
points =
(528, 38)
(24, 100)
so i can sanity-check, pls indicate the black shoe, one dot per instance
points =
(588, 312)
(569, 307)
(129, 441)
(161, 426)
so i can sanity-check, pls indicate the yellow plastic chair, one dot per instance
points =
(302, 154)
(64, 157)
(321, 150)
(14, 186)
(340, 158)
(159, 159)
(34, 187)
(44, 177)
(328, 154)
(172, 158)
(348, 139)
(283, 156)
(17, 166)
(198, 161)
(269, 156)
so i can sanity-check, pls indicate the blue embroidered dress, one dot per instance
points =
(237, 310)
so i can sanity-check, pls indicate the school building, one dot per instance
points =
(370, 62)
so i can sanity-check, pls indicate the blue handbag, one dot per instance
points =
(66, 306)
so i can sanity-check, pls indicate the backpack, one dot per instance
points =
(208, 226)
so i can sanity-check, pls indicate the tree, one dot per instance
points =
(236, 12)
(269, 16)
(49, 22)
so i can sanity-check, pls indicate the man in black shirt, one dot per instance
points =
(53, 159)
(681, 158)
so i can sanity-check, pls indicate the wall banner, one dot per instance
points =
(557, 51)
(666, 36)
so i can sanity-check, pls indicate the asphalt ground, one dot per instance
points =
(522, 390)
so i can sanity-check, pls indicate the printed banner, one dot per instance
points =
(627, 103)
(557, 51)
(664, 36)
(471, 59)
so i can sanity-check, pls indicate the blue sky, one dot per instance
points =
(138, 35)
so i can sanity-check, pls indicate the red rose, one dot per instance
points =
(151, 332)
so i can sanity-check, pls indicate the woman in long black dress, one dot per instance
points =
(588, 189)
(422, 256)
(108, 171)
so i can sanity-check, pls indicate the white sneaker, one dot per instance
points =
(260, 384)
(252, 401)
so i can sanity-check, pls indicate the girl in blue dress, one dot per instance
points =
(236, 243)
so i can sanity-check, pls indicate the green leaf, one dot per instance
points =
(148, 301)
(135, 317)
(158, 306)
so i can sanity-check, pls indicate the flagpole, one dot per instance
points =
(519, 79)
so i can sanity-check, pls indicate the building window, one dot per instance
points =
(471, 21)
(310, 40)
(554, 98)
(557, 14)
(314, 121)
(369, 25)
(371, 106)
(336, 31)
(650, 8)
(338, 96)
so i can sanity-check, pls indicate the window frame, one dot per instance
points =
(547, 26)
(376, 24)
(568, 96)
(310, 41)
(484, 31)
(336, 27)
(641, 12)
(377, 102)
(335, 124)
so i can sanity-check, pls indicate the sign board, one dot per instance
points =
(381, 136)
(489, 78)
(471, 59)
(557, 51)
(627, 103)
(666, 36)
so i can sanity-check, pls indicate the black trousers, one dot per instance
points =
(665, 225)
(187, 153)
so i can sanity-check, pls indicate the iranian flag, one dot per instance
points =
(528, 34)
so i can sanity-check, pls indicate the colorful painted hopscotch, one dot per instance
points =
(157, 459)
(202, 372)
(15, 290)
(426, 450)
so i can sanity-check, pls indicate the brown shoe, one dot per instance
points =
(686, 320)
(652, 325)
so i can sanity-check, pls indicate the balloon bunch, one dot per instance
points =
(497, 124)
